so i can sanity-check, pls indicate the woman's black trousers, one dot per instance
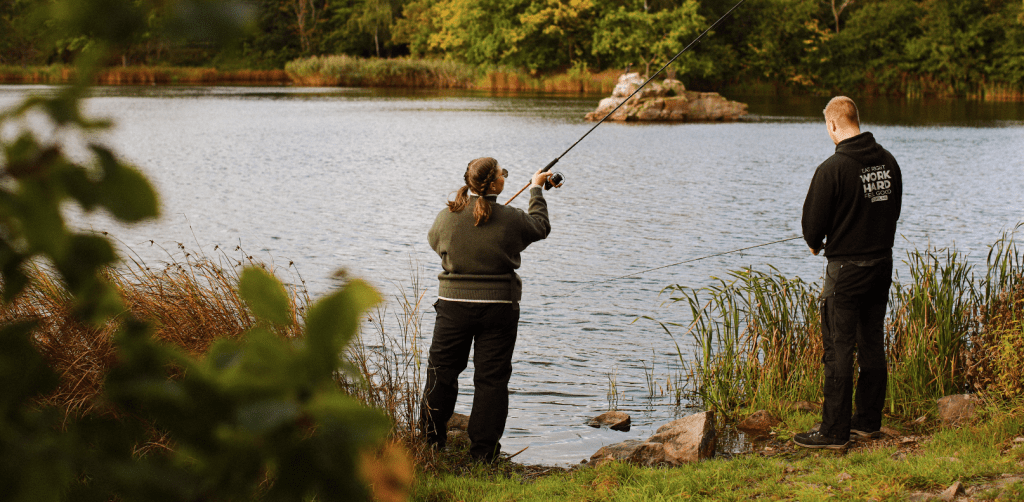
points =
(491, 327)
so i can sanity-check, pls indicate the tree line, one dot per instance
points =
(875, 46)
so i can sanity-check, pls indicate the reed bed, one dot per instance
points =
(193, 302)
(441, 74)
(142, 75)
(390, 363)
(375, 72)
(756, 335)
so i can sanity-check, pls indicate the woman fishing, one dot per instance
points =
(479, 241)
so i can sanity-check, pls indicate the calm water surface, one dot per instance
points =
(347, 178)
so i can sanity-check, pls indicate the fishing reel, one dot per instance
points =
(555, 181)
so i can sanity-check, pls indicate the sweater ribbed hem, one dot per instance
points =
(473, 301)
(485, 288)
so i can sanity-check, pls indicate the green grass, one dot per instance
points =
(973, 455)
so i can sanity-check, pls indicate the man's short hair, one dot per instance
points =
(842, 110)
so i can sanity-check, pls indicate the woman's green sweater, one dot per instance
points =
(480, 261)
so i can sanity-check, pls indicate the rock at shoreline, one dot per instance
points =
(614, 420)
(686, 440)
(458, 422)
(668, 101)
(804, 406)
(957, 409)
(761, 421)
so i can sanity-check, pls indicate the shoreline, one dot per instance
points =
(982, 460)
(428, 76)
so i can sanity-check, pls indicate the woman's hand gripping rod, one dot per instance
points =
(558, 179)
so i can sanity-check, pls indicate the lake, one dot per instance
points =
(353, 178)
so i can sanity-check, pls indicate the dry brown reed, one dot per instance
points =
(995, 359)
(390, 362)
(191, 304)
(143, 75)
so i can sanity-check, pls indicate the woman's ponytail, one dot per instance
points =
(461, 200)
(482, 210)
(480, 173)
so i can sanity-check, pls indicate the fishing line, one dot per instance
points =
(670, 61)
(594, 283)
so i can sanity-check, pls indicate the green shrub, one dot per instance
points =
(257, 418)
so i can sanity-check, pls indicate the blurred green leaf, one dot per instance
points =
(333, 321)
(364, 425)
(79, 185)
(124, 191)
(263, 416)
(42, 224)
(24, 372)
(264, 368)
(265, 296)
(14, 278)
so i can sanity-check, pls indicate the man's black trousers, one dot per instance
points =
(492, 328)
(853, 306)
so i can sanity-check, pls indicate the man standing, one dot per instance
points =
(851, 211)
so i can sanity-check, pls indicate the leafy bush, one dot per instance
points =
(260, 417)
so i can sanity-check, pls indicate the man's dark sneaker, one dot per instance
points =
(863, 434)
(816, 439)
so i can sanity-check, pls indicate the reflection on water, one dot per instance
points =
(353, 178)
(893, 111)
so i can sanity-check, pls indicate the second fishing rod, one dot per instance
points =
(557, 178)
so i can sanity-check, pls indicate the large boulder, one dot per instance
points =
(668, 101)
(688, 439)
(617, 451)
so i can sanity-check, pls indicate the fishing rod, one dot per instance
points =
(634, 274)
(557, 178)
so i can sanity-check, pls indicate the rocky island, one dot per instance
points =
(668, 101)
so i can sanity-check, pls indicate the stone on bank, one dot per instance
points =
(682, 441)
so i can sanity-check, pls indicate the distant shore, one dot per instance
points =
(333, 71)
(347, 71)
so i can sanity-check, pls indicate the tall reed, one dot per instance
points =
(193, 301)
(757, 338)
(754, 340)
(390, 364)
(930, 325)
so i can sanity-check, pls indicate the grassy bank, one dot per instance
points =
(987, 458)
